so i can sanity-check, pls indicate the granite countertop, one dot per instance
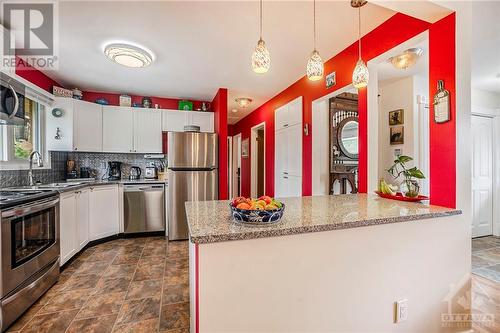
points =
(88, 183)
(210, 221)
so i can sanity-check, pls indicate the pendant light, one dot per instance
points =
(261, 61)
(360, 75)
(315, 67)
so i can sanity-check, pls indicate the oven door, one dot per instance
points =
(29, 241)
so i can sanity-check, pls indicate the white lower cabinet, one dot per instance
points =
(85, 215)
(103, 211)
(82, 217)
(67, 228)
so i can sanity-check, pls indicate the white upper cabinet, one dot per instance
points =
(175, 120)
(59, 130)
(289, 114)
(118, 129)
(203, 119)
(147, 131)
(87, 126)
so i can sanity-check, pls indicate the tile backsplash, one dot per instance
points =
(57, 172)
(97, 162)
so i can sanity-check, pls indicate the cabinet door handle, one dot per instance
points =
(285, 173)
(285, 177)
(286, 125)
(75, 148)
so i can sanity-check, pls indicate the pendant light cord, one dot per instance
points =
(260, 36)
(359, 31)
(314, 24)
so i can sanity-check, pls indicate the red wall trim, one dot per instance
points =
(219, 105)
(35, 76)
(114, 99)
(389, 34)
(197, 287)
(442, 137)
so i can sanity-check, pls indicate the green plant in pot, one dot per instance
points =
(411, 175)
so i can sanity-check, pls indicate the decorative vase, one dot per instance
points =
(410, 188)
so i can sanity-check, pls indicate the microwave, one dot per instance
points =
(11, 101)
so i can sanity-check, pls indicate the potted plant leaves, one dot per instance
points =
(410, 186)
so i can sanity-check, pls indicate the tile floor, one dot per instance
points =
(125, 285)
(486, 257)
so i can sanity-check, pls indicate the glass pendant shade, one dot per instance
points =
(315, 67)
(261, 61)
(360, 75)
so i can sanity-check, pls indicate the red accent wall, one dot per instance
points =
(219, 105)
(114, 99)
(442, 137)
(35, 76)
(391, 33)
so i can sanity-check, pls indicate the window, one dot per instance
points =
(17, 142)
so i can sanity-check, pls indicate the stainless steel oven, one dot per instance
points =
(29, 257)
(11, 101)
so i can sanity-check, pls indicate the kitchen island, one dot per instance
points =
(333, 264)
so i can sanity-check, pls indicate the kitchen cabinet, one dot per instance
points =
(82, 218)
(67, 226)
(288, 150)
(289, 114)
(147, 131)
(59, 130)
(131, 130)
(103, 211)
(87, 126)
(203, 119)
(175, 120)
(74, 223)
(118, 129)
(78, 128)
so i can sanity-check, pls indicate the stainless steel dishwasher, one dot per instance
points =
(144, 207)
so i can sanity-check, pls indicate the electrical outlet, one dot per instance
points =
(401, 311)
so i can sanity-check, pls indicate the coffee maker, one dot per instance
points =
(114, 170)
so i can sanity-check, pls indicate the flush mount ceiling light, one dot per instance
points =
(243, 102)
(406, 59)
(315, 66)
(128, 55)
(360, 75)
(261, 61)
(234, 110)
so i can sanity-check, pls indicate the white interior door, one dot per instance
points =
(482, 176)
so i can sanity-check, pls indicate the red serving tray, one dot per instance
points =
(400, 197)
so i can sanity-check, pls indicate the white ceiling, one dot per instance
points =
(386, 71)
(201, 46)
(485, 62)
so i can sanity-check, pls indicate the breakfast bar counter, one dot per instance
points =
(211, 221)
(328, 266)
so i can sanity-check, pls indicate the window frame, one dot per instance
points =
(8, 161)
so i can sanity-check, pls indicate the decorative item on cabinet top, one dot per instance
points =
(61, 92)
(185, 105)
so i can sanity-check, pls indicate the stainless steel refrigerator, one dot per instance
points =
(192, 176)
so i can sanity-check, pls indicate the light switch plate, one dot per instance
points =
(401, 311)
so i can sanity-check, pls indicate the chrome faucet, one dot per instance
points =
(39, 162)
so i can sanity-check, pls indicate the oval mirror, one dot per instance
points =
(348, 137)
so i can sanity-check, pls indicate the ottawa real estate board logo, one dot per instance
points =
(29, 34)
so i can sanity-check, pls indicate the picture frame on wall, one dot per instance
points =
(245, 143)
(397, 135)
(397, 117)
(331, 80)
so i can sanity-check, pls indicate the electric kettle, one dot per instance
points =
(135, 173)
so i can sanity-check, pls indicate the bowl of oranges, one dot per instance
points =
(262, 211)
